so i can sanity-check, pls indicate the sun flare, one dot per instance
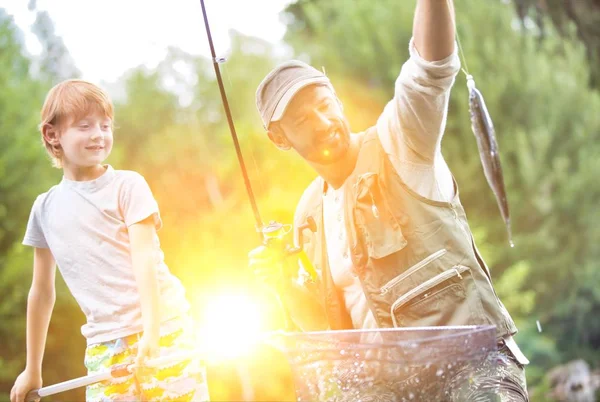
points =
(230, 327)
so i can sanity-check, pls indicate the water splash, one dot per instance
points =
(509, 231)
(407, 364)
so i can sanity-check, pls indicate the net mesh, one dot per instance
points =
(399, 364)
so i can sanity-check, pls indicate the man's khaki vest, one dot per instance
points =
(416, 258)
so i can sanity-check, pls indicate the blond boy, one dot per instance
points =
(99, 226)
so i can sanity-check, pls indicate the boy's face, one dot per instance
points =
(87, 141)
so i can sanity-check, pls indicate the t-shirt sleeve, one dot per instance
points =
(34, 234)
(137, 201)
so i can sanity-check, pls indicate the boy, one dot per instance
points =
(99, 225)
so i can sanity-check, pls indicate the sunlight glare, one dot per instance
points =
(230, 327)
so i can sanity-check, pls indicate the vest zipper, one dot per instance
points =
(427, 260)
(486, 274)
(436, 280)
(458, 220)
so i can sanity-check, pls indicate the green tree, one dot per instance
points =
(25, 172)
(572, 18)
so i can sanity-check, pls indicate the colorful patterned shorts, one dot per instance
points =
(181, 381)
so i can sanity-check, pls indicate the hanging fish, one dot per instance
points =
(483, 128)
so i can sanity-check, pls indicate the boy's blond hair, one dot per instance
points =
(69, 101)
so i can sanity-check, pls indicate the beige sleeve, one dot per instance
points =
(413, 122)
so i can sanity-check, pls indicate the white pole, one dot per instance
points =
(105, 375)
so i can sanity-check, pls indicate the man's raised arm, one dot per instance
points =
(434, 29)
(412, 124)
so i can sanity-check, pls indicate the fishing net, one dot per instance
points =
(407, 364)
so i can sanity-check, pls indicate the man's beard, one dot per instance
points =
(328, 148)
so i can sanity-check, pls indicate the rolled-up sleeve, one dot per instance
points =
(412, 123)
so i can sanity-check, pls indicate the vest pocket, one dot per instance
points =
(449, 298)
(377, 226)
(416, 267)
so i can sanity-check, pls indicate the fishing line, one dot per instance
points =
(464, 69)
(483, 129)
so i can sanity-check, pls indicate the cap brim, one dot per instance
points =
(290, 93)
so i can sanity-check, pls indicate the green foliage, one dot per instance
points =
(171, 127)
(572, 18)
(25, 171)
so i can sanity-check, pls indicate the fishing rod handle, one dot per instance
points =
(116, 371)
(32, 395)
(66, 386)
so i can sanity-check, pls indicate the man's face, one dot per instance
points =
(314, 125)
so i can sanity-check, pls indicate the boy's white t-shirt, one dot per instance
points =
(85, 226)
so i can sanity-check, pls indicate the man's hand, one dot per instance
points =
(272, 266)
(25, 382)
(266, 264)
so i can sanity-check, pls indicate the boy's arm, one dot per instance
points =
(39, 309)
(144, 258)
(40, 304)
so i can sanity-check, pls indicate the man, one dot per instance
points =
(392, 247)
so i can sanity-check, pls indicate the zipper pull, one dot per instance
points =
(458, 274)
(375, 211)
(374, 207)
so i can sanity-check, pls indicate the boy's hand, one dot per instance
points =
(25, 382)
(148, 348)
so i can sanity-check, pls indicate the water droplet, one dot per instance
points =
(439, 372)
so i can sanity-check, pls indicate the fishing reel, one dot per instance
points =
(280, 261)
(278, 247)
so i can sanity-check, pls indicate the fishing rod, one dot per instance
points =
(272, 235)
(238, 150)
